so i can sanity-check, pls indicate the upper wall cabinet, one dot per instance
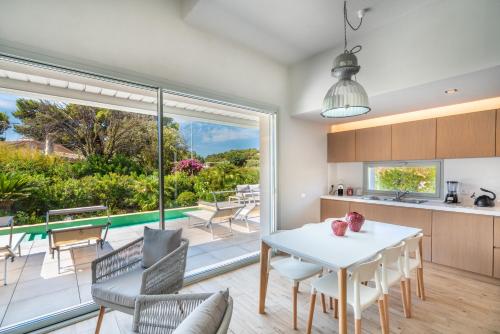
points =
(498, 133)
(341, 146)
(414, 140)
(466, 136)
(373, 144)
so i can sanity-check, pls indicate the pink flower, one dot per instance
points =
(190, 166)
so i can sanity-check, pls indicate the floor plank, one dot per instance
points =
(457, 302)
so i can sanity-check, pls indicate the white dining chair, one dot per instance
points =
(391, 273)
(359, 296)
(412, 246)
(295, 270)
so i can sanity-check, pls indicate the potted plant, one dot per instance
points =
(13, 187)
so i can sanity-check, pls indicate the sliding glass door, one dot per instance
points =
(69, 141)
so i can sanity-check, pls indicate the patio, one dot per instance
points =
(35, 288)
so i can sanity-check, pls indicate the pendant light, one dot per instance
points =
(347, 97)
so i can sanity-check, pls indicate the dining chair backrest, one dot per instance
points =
(366, 271)
(412, 244)
(391, 261)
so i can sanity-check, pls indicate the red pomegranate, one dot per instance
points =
(355, 221)
(339, 227)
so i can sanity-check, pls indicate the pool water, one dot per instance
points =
(38, 231)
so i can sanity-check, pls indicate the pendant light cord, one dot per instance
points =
(357, 48)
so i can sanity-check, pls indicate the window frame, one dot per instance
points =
(405, 163)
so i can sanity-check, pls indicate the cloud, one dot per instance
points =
(222, 134)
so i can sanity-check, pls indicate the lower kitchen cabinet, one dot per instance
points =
(496, 265)
(463, 241)
(333, 209)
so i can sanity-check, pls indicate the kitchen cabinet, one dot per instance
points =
(496, 265)
(333, 209)
(466, 136)
(341, 146)
(498, 133)
(496, 232)
(414, 140)
(373, 144)
(463, 241)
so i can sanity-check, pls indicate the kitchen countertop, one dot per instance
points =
(429, 205)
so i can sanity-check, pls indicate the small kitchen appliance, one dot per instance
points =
(484, 200)
(452, 195)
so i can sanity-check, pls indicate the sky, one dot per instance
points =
(208, 138)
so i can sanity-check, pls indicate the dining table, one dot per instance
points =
(316, 243)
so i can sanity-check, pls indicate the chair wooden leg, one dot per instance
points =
(336, 311)
(357, 326)
(331, 303)
(408, 296)
(323, 303)
(382, 316)
(403, 298)
(311, 312)
(99, 319)
(294, 294)
(386, 309)
(418, 285)
(420, 272)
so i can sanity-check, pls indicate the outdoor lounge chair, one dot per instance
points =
(211, 213)
(119, 278)
(9, 243)
(169, 313)
(72, 236)
(250, 213)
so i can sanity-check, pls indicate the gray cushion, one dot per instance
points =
(159, 243)
(121, 290)
(207, 317)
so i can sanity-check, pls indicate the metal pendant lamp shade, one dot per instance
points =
(346, 98)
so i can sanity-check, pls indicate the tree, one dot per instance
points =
(236, 157)
(101, 132)
(4, 124)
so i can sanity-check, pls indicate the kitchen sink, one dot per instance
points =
(392, 199)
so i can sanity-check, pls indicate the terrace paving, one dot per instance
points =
(34, 286)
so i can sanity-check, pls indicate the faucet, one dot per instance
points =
(400, 194)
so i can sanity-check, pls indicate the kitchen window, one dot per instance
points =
(418, 178)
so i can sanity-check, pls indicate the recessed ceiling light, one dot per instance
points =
(451, 91)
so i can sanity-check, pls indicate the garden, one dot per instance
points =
(116, 163)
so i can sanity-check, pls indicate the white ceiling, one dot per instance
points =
(290, 30)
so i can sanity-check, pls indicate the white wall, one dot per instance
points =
(437, 41)
(471, 173)
(150, 39)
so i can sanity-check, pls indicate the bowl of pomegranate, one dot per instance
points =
(355, 221)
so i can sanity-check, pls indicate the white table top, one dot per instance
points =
(317, 243)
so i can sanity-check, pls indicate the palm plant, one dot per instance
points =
(13, 187)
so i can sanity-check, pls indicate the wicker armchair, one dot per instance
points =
(118, 278)
(163, 314)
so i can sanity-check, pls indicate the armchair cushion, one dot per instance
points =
(121, 290)
(207, 317)
(159, 243)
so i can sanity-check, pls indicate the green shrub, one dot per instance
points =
(186, 198)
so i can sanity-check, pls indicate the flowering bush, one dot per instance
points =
(189, 166)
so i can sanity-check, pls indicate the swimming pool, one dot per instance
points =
(38, 231)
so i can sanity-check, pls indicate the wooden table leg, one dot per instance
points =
(264, 275)
(342, 304)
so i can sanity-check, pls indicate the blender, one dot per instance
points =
(452, 195)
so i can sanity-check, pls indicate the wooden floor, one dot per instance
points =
(457, 302)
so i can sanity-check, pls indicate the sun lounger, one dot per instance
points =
(211, 213)
(250, 213)
(72, 236)
(8, 245)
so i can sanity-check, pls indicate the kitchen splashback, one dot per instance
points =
(471, 173)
